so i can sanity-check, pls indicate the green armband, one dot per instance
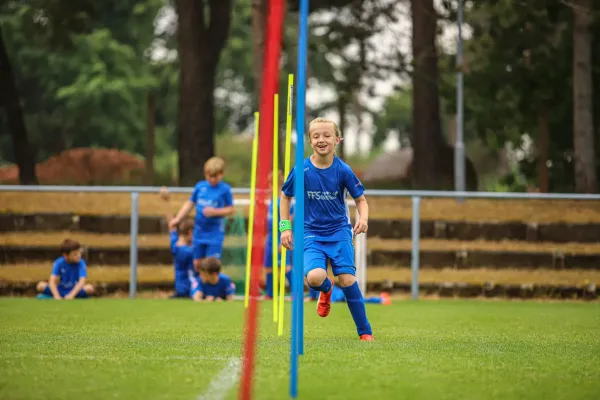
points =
(285, 225)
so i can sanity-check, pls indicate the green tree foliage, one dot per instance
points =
(82, 71)
(518, 71)
(395, 117)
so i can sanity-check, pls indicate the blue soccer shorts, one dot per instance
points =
(63, 292)
(203, 250)
(340, 254)
(268, 256)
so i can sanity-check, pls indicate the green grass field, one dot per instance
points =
(161, 349)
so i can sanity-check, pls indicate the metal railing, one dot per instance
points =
(360, 257)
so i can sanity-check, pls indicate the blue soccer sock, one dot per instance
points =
(289, 277)
(325, 286)
(356, 304)
(374, 300)
(314, 294)
(269, 284)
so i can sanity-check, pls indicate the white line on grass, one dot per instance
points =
(76, 357)
(223, 382)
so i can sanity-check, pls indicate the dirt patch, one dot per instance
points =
(83, 166)
(490, 210)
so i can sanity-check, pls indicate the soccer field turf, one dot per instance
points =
(169, 349)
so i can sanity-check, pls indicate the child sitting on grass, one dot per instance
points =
(68, 277)
(212, 285)
(182, 251)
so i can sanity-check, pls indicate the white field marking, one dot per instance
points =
(223, 381)
(110, 358)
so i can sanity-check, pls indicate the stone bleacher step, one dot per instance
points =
(443, 289)
(387, 229)
(15, 254)
(447, 282)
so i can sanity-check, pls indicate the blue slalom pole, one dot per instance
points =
(297, 342)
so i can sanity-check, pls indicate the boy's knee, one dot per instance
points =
(41, 286)
(316, 277)
(346, 280)
(88, 288)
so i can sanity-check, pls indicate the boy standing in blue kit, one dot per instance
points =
(327, 229)
(213, 201)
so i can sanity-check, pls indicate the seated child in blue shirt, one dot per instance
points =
(68, 277)
(212, 285)
(182, 251)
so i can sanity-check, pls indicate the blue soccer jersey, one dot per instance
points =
(68, 273)
(183, 261)
(223, 288)
(326, 215)
(210, 229)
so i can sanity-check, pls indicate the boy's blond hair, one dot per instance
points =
(317, 120)
(214, 166)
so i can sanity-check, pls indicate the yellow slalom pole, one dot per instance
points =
(251, 210)
(286, 171)
(274, 190)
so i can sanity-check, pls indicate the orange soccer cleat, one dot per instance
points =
(386, 299)
(324, 303)
(367, 338)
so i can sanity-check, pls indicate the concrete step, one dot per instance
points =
(560, 232)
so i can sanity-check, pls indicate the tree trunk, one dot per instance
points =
(543, 148)
(200, 46)
(150, 144)
(259, 16)
(11, 102)
(342, 104)
(583, 127)
(427, 140)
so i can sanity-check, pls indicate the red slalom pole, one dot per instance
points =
(270, 81)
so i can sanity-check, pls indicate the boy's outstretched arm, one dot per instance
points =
(285, 203)
(362, 225)
(183, 211)
(166, 197)
(53, 285)
(225, 211)
(219, 212)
